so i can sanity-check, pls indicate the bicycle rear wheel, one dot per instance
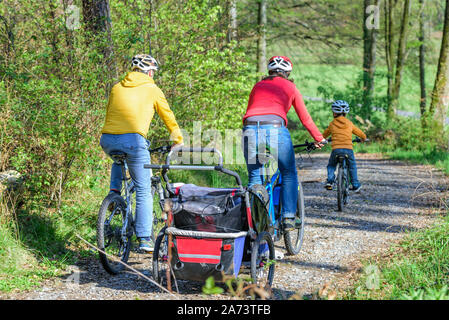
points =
(262, 261)
(340, 188)
(114, 232)
(293, 239)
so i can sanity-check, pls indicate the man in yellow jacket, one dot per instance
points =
(341, 129)
(131, 106)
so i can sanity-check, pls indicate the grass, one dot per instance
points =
(417, 268)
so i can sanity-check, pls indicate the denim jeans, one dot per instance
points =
(332, 165)
(136, 148)
(255, 140)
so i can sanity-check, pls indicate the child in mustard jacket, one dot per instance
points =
(341, 130)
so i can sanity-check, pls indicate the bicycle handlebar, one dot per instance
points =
(355, 140)
(310, 146)
(161, 149)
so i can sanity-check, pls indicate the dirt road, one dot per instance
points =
(396, 198)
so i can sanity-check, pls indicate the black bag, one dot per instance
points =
(209, 209)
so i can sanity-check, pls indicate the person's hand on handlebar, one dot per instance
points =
(320, 144)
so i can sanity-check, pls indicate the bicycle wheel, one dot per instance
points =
(158, 214)
(113, 236)
(345, 186)
(293, 239)
(340, 188)
(262, 261)
(160, 258)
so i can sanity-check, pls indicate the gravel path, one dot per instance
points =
(396, 198)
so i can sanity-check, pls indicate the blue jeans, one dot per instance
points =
(136, 148)
(278, 141)
(332, 165)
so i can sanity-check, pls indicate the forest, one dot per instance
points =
(59, 59)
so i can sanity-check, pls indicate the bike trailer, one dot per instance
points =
(197, 255)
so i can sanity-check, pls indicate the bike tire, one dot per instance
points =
(158, 219)
(340, 188)
(293, 239)
(262, 264)
(113, 206)
(160, 258)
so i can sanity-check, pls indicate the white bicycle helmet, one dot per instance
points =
(144, 62)
(340, 106)
(280, 63)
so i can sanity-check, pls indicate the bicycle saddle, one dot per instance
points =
(342, 156)
(118, 156)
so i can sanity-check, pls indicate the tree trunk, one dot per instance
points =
(400, 58)
(422, 67)
(261, 42)
(440, 94)
(96, 15)
(369, 56)
(389, 50)
(232, 32)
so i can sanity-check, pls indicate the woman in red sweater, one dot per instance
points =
(265, 126)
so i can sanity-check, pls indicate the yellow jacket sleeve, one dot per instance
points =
(163, 110)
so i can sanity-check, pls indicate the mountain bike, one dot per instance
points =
(116, 217)
(343, 179)
(270, 192)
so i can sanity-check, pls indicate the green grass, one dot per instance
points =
(418, 268)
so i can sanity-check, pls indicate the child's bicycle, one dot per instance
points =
(270, 192)
(343, 179)
(116, 219)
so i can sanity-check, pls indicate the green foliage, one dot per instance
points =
(210, 287)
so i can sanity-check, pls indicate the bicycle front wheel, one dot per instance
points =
(159, 216)
(114, 232)
(293, 239)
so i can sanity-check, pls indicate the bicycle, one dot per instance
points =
(342, 181)
(116, 220)
(270, 192)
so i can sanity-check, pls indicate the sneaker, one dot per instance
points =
(146, 244)
(328, 186)
(356, 189)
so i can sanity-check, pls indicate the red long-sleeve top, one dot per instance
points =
(276, 96)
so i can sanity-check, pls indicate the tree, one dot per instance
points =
(422, 66)
(97, 19)
(440, 94)
(232, 32)
(400, 60)
(369, 52)
(261, 41)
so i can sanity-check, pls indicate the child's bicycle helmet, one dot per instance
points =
(340, 106)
